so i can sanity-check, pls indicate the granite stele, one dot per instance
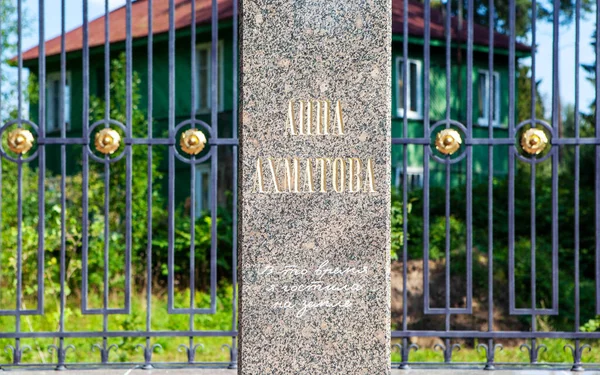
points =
(315, 187)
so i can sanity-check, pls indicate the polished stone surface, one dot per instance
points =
(301, 50)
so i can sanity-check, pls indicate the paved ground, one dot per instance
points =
(233, 372)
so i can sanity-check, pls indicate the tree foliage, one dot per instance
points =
(523, 13)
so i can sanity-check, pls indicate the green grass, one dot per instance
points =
(136, 321)
(555, 353)
(211, 349)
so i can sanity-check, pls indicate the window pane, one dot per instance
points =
(50, 106)
(412, 90)
(400, 85)
(67, 108)
(482, 96)
(495, 90)
(55, 103)
(203, 72)
(206, 190)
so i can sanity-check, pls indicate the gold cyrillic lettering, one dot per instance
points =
(339, 175)
(274, 175)
(371, 176)
(355, 182)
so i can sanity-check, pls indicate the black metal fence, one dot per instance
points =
(530, 144)
(108, 143)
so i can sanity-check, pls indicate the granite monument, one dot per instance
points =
(315, 187)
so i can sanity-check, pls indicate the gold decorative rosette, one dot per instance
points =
(107, 141)
(192, 141)
(534, 141)
(448, 141)
(20, 141)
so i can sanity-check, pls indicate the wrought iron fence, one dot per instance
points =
(448, 141)
(110, 142)
(530, 142)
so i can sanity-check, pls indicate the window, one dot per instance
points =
(53, 102)
(414, 88)
(203, 77)
(483, 97)
(202, 188)
(414, 177)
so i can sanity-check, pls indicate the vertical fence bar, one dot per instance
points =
(128, 153)
(19, 62)
(63, 183)
(106, 246)
(192, 252)
(576, 297)
(533, 351)
(106, 170)
(149, 173)
(447, 255)
(85, 164)
(555, 157)
(405, 65)
(469, 157)
(192, 184)
(234, 132)
(171, 161)
(426, 135)
(41, 157)
(533, 356)
(17, 350)
(448, 35)
(469, 151)
(106, 63)
(533, 57)
(214, 123)
(491, 117)
(511, 156)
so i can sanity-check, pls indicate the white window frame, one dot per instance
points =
(483, 121)
(418, 114)
(56, 77)
(202, 171)
(220, 84)
(410, 171)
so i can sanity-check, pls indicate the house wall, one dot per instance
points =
(160, 84)
(458, 112)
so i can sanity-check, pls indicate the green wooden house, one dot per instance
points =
(184, 106)
(481, 76)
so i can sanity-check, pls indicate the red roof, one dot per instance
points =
(139, 24)
(183, 18)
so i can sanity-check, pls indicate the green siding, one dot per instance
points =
(458, 112)
(160, 92)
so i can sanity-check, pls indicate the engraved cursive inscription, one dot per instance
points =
(332, 284)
